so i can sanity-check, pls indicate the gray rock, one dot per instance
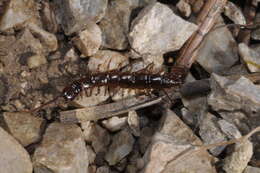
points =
(229, 129)
(210, 133)
(122, 144)
(115, 25)
(18, 13)
(238, 160)
(96, 135)
(23, 126)
(160, 157)
(218, 51)
(145, 138)
(229, 94)
(115, 123)
(74, 14)
(156, 30)
(13, 157)
(256, 33)
(134, 123)
(250, 57)
(89, 40)
(62, 150)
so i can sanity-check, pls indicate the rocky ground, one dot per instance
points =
(46, 44)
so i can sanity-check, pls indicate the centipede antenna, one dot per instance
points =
(45, 104)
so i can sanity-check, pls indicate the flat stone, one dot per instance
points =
(238, 160)
(250, 57)
(218, 51)
(89, 40)
(234, 13)
(157, 24)
(210, 133)
(122, 144)
(48, 40)
(36, 61)
(61, 150)
(96, 135)
(13, 157)
(23, 126)
(18, 13)
(115, 123)
(73, 14)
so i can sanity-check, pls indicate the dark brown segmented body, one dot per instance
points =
(125, 80)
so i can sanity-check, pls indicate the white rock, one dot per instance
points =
(89, 40)
(184, 8)
(157, 30)
(13, 157)
(62, 150)
(115, 123)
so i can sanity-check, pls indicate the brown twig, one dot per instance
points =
(205, 21)
(249, 12)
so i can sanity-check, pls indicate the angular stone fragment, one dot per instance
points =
(103, 169)
(47, 39)
(134, 123)
(210, 133)
(61, 150)
(96, 135)
(157, 30)
(239, 159)
(89, 40)
(74, 14)
(228, 94)
(234, 13)
(18, 13)
(162, 153)
(23, 126)
(250, 57)
(91, 154)
(218, 51)
(121, 146)
(166, 153)
(13, 157)
(115, 123)
(229, 129)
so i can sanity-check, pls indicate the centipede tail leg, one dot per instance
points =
(98, 91)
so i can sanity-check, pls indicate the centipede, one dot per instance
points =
(143, 79)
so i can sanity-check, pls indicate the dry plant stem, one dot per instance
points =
(249, 12)
(195, 149)
(205, 21)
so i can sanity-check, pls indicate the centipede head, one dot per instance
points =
(178, 74)
(69, 93)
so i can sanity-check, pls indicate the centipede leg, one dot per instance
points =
(98, 91)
